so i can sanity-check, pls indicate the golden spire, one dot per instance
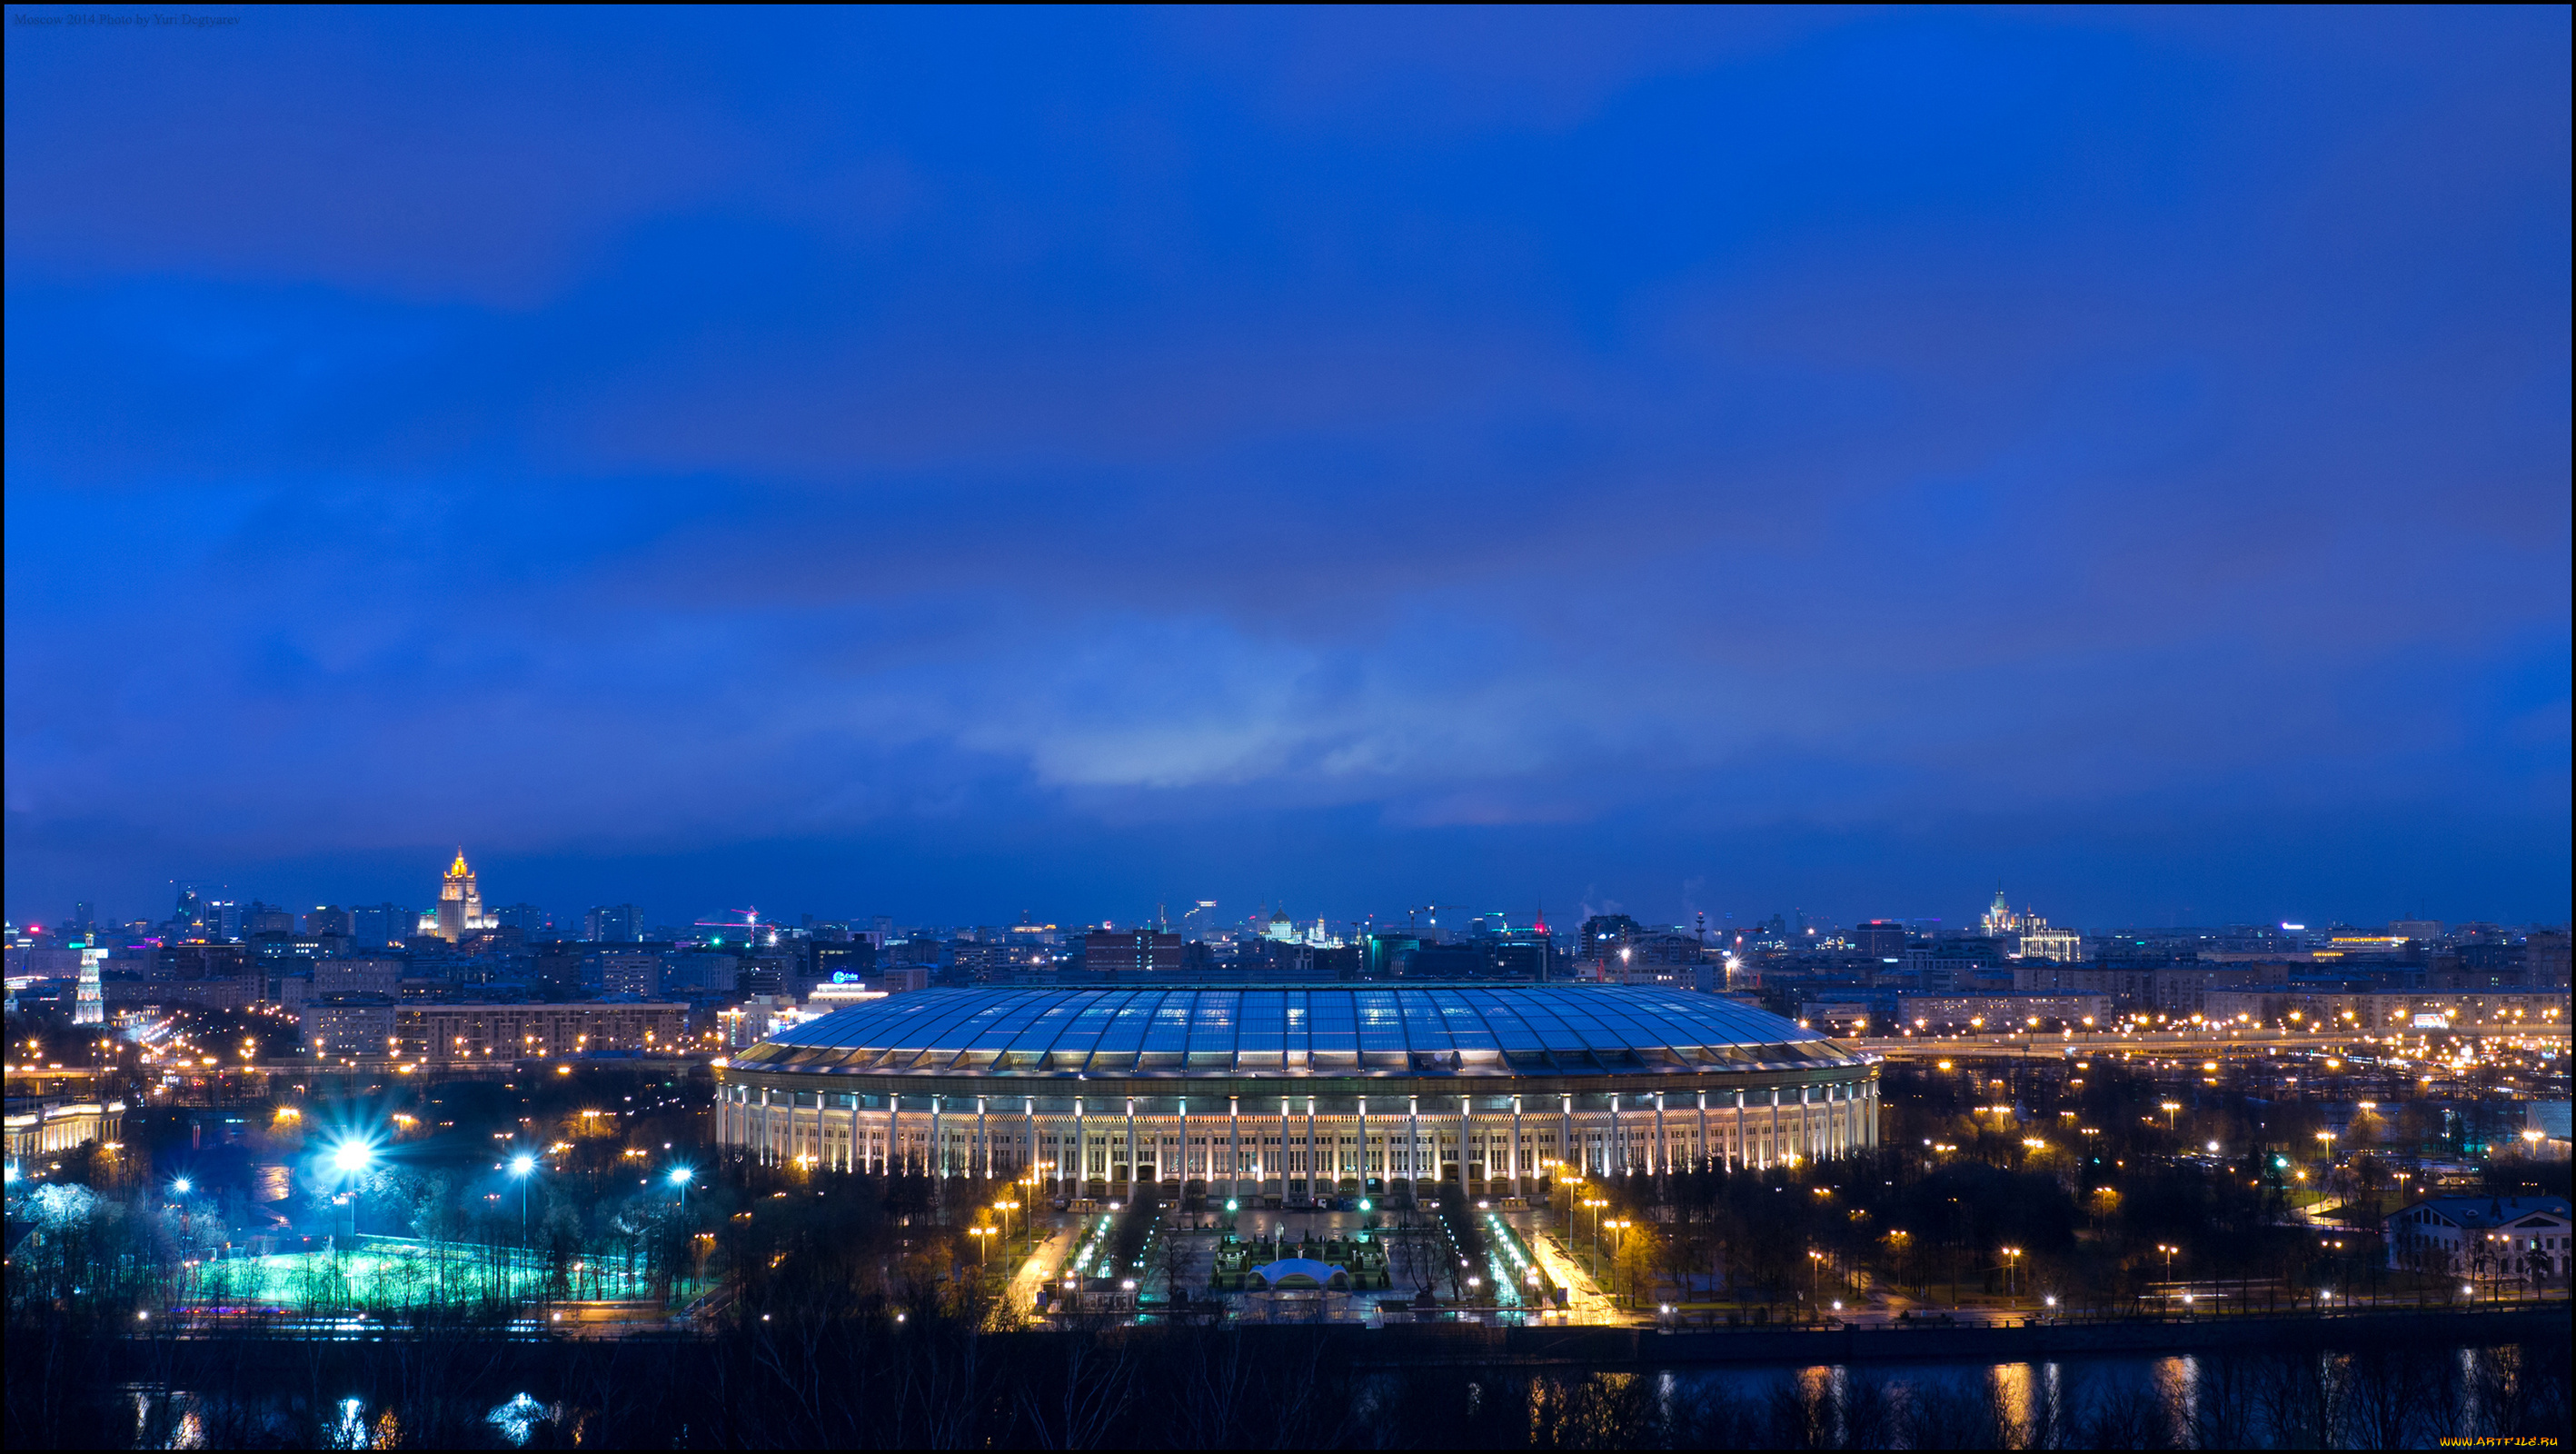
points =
(458, 869)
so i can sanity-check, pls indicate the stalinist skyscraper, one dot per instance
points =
(460, 905)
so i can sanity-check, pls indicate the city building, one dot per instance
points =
(356, 976)
(630, 972)
(2510, 1239)
(1880, 939)
(50, 1125)
(613, 924)
(1293, 1093)
(378, 926)
(528, 919)
(460, 905)
(450, 1033)
(1131, 951)
(2062, 945)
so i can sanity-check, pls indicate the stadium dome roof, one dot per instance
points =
(1319, 1030)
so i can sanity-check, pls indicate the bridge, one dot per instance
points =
(2238, 1041)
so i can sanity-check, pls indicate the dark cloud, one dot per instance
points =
(938, 461)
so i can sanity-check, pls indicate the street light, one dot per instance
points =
(523, 1166)
(2012, 1282)
(680, 1176)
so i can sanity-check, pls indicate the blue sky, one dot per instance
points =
(948, 463)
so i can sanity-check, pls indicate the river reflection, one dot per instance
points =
(2397, 1397)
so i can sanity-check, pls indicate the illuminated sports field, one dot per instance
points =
(397, 1272)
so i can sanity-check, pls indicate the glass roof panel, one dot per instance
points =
(1054, 1017)
(1262, 1014)
(1380, 1020)
(1127, 1027)
(1466, 1026)
(1170, 1031)
(1333, 1020)
(1083, 1035)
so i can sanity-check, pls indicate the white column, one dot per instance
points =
(1081, 1167)
(1314, 1157)
(1703, 1155)
(1655, 1160)
(983, 1147)
(1131, 1148)
(1465, 1105)
(1234, 1147)
(1364, 1146)
(894, 1133)
(938, 1136)
(1565, 1141)
(1517, 1188)
(1413, 1135)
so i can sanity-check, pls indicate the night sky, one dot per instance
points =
(949, 464)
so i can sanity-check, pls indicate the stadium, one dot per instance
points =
(1292, 1094)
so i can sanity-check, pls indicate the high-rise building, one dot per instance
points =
(613, 924)
(1880, 939)
(89, 1007)
(2062, 945)
(460, 905)
(262, 918)
(377, 925)
(330, 919)
(1131, 951)
(528, 919)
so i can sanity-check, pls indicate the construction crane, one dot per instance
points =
(1431, 909)
(749, 924)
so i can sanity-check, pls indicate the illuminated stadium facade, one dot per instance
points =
(1294, 1092)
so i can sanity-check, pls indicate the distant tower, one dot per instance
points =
(460, 905)
(90, 1008)
(2000, 919)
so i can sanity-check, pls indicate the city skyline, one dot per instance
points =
(567, 915)
(1717, 460)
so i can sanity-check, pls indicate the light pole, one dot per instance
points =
(2168, 1250)
(680, 1177)
(523, 1166)
(2169, 1108)
(2012, 1281)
